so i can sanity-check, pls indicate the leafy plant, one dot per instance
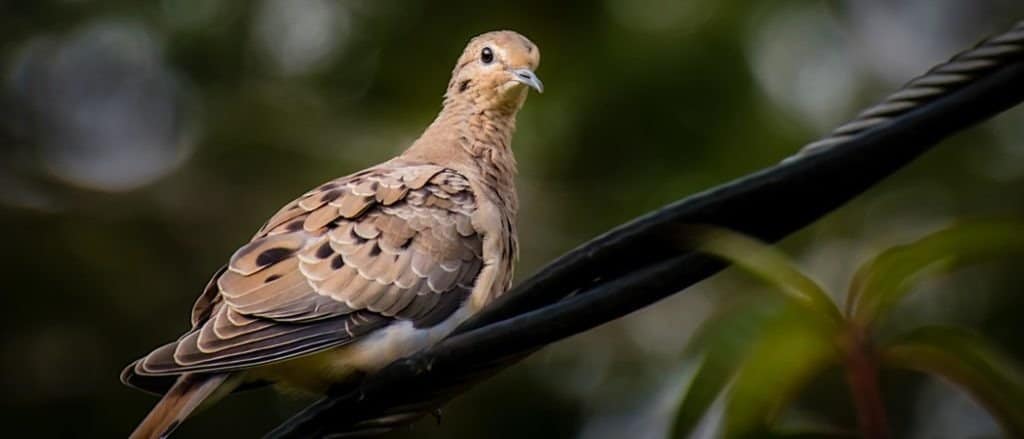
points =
(756, 358)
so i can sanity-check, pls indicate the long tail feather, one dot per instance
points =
(177, 404)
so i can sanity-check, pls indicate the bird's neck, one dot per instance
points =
(476, 141)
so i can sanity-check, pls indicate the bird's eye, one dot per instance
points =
(487, 55)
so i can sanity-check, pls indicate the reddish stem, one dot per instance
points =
(862, 376)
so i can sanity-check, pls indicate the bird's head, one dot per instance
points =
(495, 71)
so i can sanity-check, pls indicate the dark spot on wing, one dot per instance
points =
(331, 195)
(272, 278)
(272, 256)
(324, 251)
(337, 262)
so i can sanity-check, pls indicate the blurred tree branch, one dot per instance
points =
(639, 263)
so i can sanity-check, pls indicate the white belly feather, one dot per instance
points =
(319, 372)
(395, 341)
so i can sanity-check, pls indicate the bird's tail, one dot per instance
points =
(177, 404)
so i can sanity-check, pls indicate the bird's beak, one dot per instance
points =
(526, 76)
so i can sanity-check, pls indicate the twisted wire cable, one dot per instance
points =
(937, 82)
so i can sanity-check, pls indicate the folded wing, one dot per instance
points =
(391, 243)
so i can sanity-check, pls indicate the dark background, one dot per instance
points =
(142, 142)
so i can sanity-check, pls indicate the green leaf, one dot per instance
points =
(780, 362)
(883, 281)
(970, 361)
(715, 372)
(721, 344)
(766, 263)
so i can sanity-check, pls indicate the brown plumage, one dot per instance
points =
(367, 268)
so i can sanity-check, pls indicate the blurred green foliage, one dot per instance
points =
(142, 142)
(764, 362)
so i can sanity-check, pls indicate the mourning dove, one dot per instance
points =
(367, 268)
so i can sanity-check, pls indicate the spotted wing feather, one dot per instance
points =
(350, 257)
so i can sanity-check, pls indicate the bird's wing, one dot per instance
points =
(394, 242)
